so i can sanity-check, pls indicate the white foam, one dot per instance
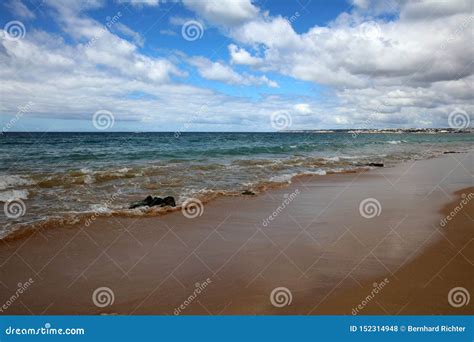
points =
(9, 195)
(283, 178)
(123, 170)
(317, 172)
(89, 179)
(336, 159)
(10, 181)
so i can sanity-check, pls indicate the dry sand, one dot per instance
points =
(319, 247)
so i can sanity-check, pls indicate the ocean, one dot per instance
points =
(57, 177)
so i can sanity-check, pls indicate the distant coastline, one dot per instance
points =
(383, 130)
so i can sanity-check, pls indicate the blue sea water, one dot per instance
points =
(56, 175)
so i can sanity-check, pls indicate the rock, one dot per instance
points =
(375, 164)
(150, 201)
(248, 192)
(156, 201)
(449, 152)
(169, 200)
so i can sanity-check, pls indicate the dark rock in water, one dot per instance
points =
(150, 201)
(248, 192)
(169, 200)
(156, 201)
(449, 152)
(146, 202)
(375, 164)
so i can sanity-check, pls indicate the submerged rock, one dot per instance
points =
(248, 192)
(375, 164)
(449, 152)
(150, 201)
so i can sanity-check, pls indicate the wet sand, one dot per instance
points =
(318, 246)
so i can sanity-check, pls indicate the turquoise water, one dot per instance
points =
(58, 174)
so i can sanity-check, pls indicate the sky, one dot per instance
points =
(234, 65)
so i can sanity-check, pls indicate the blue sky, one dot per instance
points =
(233, 65)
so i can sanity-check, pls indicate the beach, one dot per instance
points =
(319, 245)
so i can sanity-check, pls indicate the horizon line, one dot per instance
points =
(281, 131)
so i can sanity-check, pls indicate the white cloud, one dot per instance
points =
(218, 71)
(408, 64)
(223, 12)
(20, 9)
(141, 3)
(413, 72)
(242, 56)
(127, 31)
(303, 108)
(100, 47)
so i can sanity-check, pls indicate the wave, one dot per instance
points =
(10, 181)
(83, 189)
(396, 142)
(18, 230)
(10, 195)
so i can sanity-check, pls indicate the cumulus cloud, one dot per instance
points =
(401, 70)
(218, 71)
(223, 12)
(242, 56)
(407, 64)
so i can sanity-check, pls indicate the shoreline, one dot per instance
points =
(23, 230)
(153, 263)
(74, 218)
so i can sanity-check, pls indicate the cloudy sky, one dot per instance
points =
(229, 65)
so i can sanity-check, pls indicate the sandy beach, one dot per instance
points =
(328, 240)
